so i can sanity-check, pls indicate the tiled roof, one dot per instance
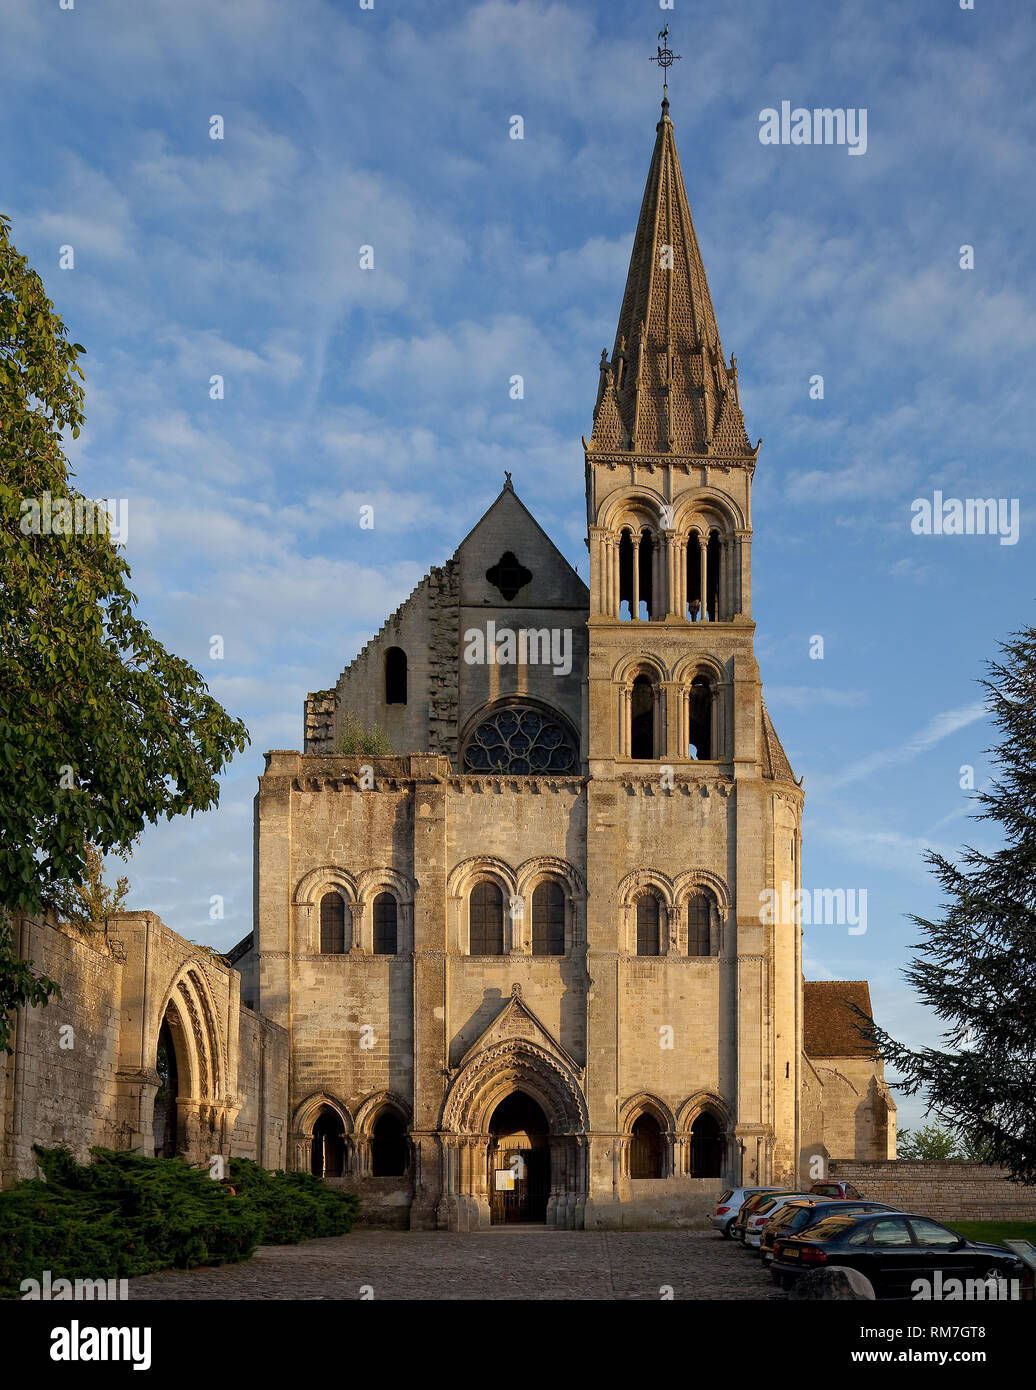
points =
(831, 1029)
(775, 760)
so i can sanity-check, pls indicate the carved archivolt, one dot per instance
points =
(515, 1064)
(692, 879)
(635, 883)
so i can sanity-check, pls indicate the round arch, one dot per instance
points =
(714, 509)
(633, 506)
(639, 881)
(317, 882)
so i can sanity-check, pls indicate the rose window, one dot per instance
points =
(520, 741)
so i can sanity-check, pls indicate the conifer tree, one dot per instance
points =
(976, 965)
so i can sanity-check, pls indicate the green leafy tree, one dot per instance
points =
(930, 1142)
(976, 966)
(355, 737)
(102, 731)
(93, 900)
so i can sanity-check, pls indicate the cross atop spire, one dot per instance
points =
(668, 388)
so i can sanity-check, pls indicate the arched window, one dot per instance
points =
(388, 1146)
(332, 925)
(698, 919)
(548, 919)
(647, 1148)
(642, 718)
(694, 577)
(328, 1151)
(700, 710)
(395, 676)
(385, 943)
(647, 925)
(706, 1147)
(486, 920)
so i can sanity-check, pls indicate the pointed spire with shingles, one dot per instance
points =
(668, 388)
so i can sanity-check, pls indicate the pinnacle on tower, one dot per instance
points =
(668, 388)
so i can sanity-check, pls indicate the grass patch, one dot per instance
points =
(994, 1232)
(123, 1214)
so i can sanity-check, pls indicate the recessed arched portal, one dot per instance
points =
(519, 1161)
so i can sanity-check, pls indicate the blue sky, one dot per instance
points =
(389, 127)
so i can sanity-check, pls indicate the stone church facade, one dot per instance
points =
(533, 948)
(523, 968)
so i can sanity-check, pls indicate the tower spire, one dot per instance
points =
(678, 394)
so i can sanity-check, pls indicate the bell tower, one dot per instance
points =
(693, 813)
(668, 494)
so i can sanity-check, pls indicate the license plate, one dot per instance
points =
(790, 1254)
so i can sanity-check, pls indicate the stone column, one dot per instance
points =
(703, 563)
(726, 578)
(598, 576)
(672, 574)
(659, 721)
(672, 694)
(635, 600)
(356, 931)
(744, 578)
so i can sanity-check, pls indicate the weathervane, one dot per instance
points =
(665, 60)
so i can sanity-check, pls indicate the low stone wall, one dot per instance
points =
(944, 1191)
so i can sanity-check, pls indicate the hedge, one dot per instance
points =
(123, 1214)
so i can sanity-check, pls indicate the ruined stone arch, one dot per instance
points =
(201, 1102)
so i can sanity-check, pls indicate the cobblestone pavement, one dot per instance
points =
(527, 1262)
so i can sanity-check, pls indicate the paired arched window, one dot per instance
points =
(648, 938)
(386, 934)
(699, 925)
(548, 919)
(395, 676)
(486, 920)
(647, 1148)
(389, 1146)
(332, 925)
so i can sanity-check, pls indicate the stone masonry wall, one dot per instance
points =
(944, 1191)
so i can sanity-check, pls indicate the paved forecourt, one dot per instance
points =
(527, 1262)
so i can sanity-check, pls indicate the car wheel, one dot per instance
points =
(725, 1229)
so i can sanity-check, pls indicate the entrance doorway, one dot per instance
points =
(519, 1161)
(165, 1127)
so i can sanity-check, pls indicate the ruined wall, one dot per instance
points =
(84, 1072)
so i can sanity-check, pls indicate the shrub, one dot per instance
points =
(294, 1206)
(123, 1214)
